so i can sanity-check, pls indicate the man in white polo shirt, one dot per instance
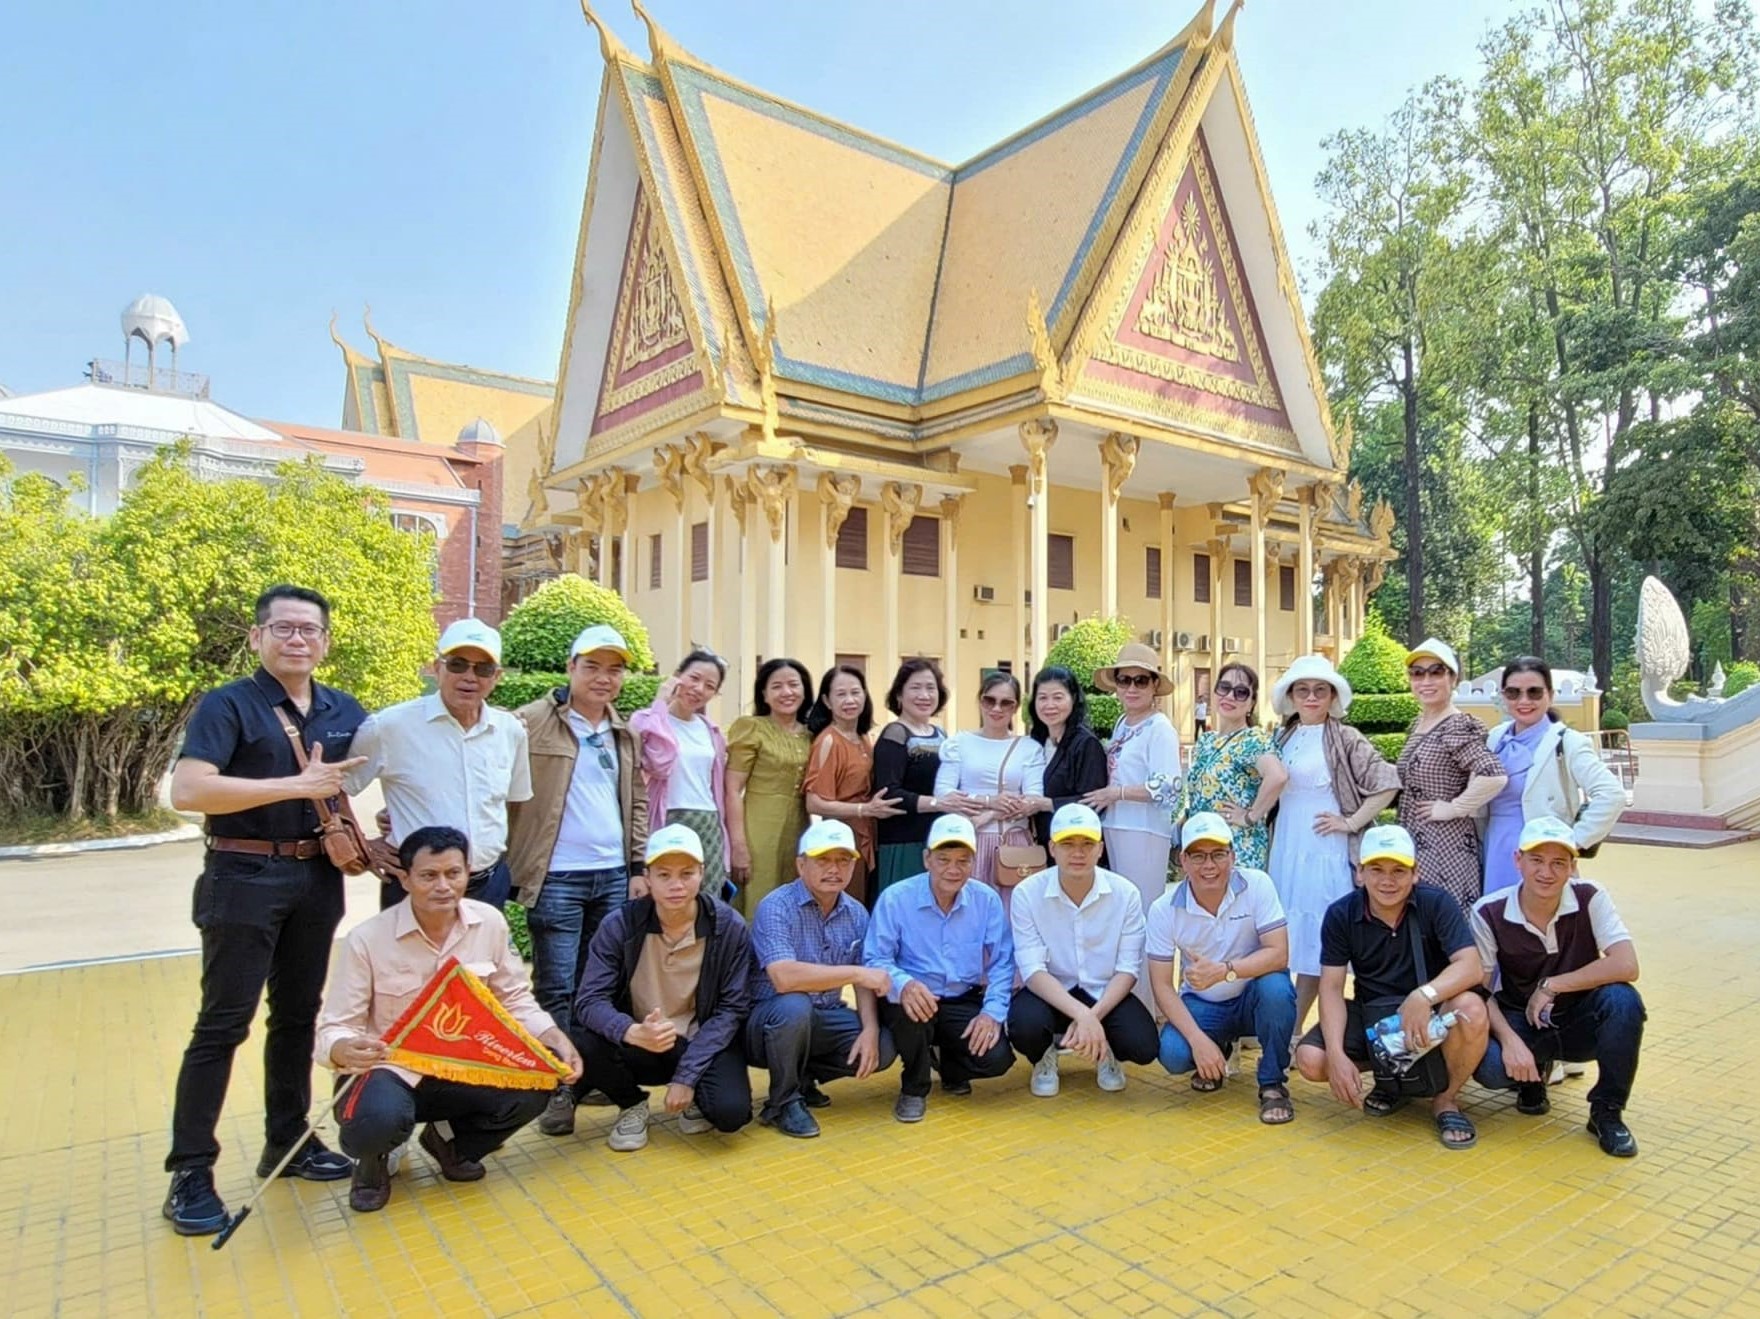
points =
(449, 759)
(1228, 927)
(1078, 943)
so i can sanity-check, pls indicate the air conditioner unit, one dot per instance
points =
(1201, 641)
(984, 595)
(1153, 639)
(1231, 645)
(1058, 629)
(1183, 640)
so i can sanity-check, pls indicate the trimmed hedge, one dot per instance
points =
(1104, 712)
(537, 632)
(1090, 644)
(1389, 745)
(1740, 676)
(1614, 720)
(1382, 712)
(1376, 665)
(517, 928)
(517, 689)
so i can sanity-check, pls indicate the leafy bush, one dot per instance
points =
(517, 689)
(1388, 744)
(1377, 712)
(1376, 665)
(1090, 644)
(537, 633)
(1740, 676)
(1614, 719)
(517, 929)
(1104, 712)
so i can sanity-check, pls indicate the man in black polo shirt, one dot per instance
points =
(1562, 964)
(1371, 932)
(267, 902)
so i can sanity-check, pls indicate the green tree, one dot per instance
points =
(113, 628)
(539, 630)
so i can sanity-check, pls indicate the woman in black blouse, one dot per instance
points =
(906, 756)
(1075, 757)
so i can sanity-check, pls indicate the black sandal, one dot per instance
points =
(1273, 1099)
(1455, 1122)
(1383, 1103)
(1204, 1086)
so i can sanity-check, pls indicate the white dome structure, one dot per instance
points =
(154, 321)
(480, 432)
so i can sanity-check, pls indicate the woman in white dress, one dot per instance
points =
(1338, 784)
(991, 775)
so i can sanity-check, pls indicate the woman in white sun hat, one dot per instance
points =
(1338, 784)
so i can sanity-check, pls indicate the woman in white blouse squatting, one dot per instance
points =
(1136, 807)
(990, 776)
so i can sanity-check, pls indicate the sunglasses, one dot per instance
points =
(1427, 671)
(999, 703)
(1234, 691)
(597, 742)
(1524, 693)
(1134, 680)
(482, 668)
(1303, 691)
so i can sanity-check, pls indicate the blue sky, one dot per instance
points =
(264, 165)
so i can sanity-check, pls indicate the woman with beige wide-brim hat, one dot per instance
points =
(1142, 762)
(1338, 783)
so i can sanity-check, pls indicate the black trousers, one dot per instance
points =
(382, 1109)
(944, 1031)
(1035, 1026)
(265, 922)
(723, 1091)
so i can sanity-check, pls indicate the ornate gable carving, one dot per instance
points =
(650, 359)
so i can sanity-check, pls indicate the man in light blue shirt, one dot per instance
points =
(944, 943)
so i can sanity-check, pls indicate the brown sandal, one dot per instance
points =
(1204, 1086)
(1275, 1099)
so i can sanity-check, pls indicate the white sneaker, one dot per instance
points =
(1045, 1080)
(394, 1160)
(691, 1122)
(1556, 1075)
(1109, 1076)
(630, 1131)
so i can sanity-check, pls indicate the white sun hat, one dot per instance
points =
(1311, 668)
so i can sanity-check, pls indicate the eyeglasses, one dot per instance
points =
(1427, 671)
(1524, 693)
(1218, 858)
(482, 668)
(1234, 691)
(597, 742)
(1310, 691)
(1134, 680)
(999, 702)
(283, 631)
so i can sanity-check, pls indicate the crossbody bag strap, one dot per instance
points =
(1417, 944)
(1001, 785)
(325, 811)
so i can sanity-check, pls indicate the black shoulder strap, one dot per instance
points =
(1416, 938)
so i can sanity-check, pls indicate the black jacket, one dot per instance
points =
(1076, 768)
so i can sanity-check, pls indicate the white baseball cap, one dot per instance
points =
(1205, 827)
(1431, 648)
(674, 840)
(600, 636)
(1075, 821)
(471, 634)
(824, 836)
(952, 829)
(1389, 842)
(1546, 829)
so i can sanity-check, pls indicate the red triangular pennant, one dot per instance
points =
(457, 1031)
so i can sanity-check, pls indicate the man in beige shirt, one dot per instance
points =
(385, 963)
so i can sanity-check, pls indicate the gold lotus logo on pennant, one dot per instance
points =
(449, 1022)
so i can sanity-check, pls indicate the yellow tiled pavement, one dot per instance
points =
(1154, 1201)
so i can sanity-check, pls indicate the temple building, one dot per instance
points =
(826, 396)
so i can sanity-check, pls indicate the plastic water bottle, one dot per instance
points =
(1387, 1040)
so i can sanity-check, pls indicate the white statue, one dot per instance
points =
(1717, 681)
(1662, 659)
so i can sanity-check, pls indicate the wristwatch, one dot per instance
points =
(1231, 977)
(1429, 992)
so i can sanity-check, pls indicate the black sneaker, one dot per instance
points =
(1532, 1099)
(316, 1162)
(813, 1097)
(193, 1205)
(1611, 1132)
(960, 1086)
(370, 1189)
(793, 1120)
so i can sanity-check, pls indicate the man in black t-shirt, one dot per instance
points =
(268, 900)
(1380, 932)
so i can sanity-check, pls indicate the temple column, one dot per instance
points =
(739, 499)
(837, 495)
(1037, 437)
(1118, 458)
(950, 506)
(1169, 656)
(1017, 530)
(696, 469)
(669, 467)
(1305, 502)
(1265, 488)
(899, 502)
(586, 498)
(1218, 548)
(772, 485)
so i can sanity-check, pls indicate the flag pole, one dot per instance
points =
(236, 1220)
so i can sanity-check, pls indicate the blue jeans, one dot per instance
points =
(799, 1041)
(1604, 1025)
(1266, 1008)
(570, 906)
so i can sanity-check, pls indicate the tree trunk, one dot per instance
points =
(1414, 508)
(1601, 617)
(1537, 547)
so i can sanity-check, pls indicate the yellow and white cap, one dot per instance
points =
(1435, 649)
(471, 634)
(950, 829)
(1205, 827)
(1546, 829)
(674, 840)
(824, 836)
(1075, 821)
(1389, 842)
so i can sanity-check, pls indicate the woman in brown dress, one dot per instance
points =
(840, 768)
(1446, 775)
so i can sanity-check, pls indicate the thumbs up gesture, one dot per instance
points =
(653, 1032)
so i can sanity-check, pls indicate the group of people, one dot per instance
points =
(795, 894)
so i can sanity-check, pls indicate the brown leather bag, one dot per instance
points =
(1016, 861)
(343, 839)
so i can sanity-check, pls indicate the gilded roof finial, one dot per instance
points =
(1224, 38)
(1044, 358)
(1198, 31)
(367, 320)
(766, 364)
(609, 46)
(336, 338)
(658, 41)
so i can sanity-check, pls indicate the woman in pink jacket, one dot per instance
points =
(684, 757)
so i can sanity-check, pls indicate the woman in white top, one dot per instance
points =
(989, 775)
(1142, 763)
(684, 758)
(1553, 770)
